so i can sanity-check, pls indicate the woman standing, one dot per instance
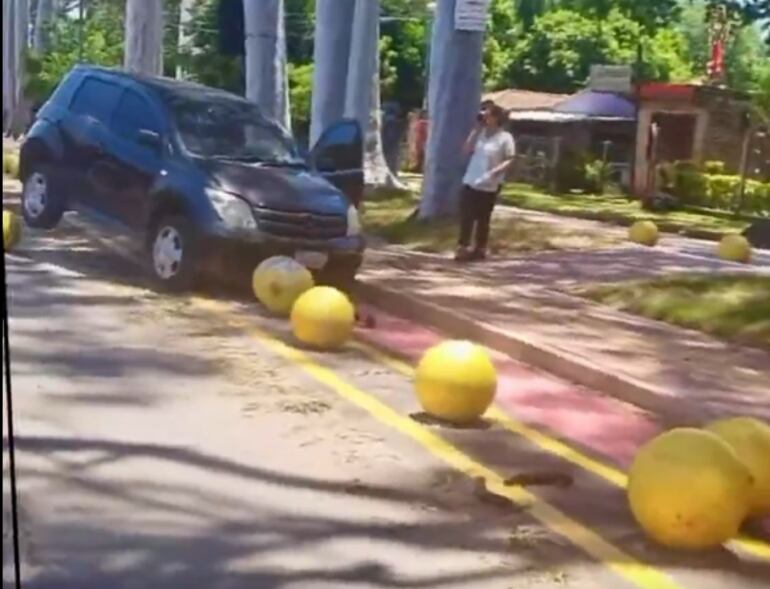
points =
(492, 151)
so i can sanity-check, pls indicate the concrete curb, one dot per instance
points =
(567, 366)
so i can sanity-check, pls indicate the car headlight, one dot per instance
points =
(233, 210)
(354, 222)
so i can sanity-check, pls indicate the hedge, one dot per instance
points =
(692, 186)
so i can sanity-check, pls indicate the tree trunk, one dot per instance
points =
(377, 172)
(362, 94)
(454, 94)
(16, 110)
(144, 37)
(266, 75)
(43, 19)
(333, 33)
(9, 66)
(186, 8)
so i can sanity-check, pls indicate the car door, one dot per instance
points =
(339, 157)
(85, 134)
(124, 174)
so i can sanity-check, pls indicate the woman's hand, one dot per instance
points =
(470, 142)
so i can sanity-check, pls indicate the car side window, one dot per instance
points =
(132, 115)
(96, 98)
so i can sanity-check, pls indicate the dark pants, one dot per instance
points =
(475, 213)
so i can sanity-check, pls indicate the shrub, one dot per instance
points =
(690, 186)
(756, 199)
(714, 167)
(722, 191)
(571, 171)
(597, 176)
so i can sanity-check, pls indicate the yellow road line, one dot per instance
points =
(636, 572)
(753, 546)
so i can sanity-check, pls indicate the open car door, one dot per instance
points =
(339, 157)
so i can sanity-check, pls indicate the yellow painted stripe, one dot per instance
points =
(754, 547)
(636, 572)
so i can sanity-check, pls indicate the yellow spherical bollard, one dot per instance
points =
(750, 438)
(644, 233)
(11, 164)
(278, 282)
(688, 490)
(456, 382)
(11, 230)
(323, 317)
(735, 248)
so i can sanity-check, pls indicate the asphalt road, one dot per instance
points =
(169, 442)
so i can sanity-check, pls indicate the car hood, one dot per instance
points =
(286, 189)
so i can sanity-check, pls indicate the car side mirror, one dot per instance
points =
(149, 139)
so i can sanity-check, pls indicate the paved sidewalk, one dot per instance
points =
(527, 299)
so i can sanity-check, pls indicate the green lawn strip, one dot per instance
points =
(623, 211)
(387, 215)
(734, 307)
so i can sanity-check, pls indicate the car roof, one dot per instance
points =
(168, 87)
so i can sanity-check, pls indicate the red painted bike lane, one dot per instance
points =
(596, 425)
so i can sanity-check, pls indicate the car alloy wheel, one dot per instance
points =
(167, 252)
(35, 195)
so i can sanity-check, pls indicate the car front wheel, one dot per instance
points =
(40, 206)
(173, 254)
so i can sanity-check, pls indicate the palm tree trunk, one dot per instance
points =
(362, 95)
(333, 29)
(266, 75)
(144, 37)
(186, 8)
(43, 18)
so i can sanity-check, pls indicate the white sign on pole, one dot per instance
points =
(611, 78)
(471, 15)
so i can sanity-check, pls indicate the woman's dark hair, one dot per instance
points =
(498, 113)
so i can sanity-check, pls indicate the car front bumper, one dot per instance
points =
(238, 252)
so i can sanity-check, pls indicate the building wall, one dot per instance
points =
(719, 131)
(646, 112)
(725, 134)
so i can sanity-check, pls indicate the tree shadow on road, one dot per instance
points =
(181, 535)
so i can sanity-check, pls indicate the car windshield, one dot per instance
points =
(232, 129)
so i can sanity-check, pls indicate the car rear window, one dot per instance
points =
(96, 98)
(132, 115)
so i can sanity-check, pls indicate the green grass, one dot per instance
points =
(388, 215)
(620, 210)
(731, 307)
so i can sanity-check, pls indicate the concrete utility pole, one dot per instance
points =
(144, 37)
(333, 31)
(266, 75)
(43, 18)
(183, 39)
(454, 95)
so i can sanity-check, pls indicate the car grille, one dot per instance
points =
(300, 225)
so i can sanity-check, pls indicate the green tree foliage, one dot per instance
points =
(404, 40)
(650, 14)
(102, 44)
(557, 54)
(746, 58)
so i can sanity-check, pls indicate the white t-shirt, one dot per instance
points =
(490, 152)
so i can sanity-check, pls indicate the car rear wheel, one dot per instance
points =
(40, 206)
(173, 254)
